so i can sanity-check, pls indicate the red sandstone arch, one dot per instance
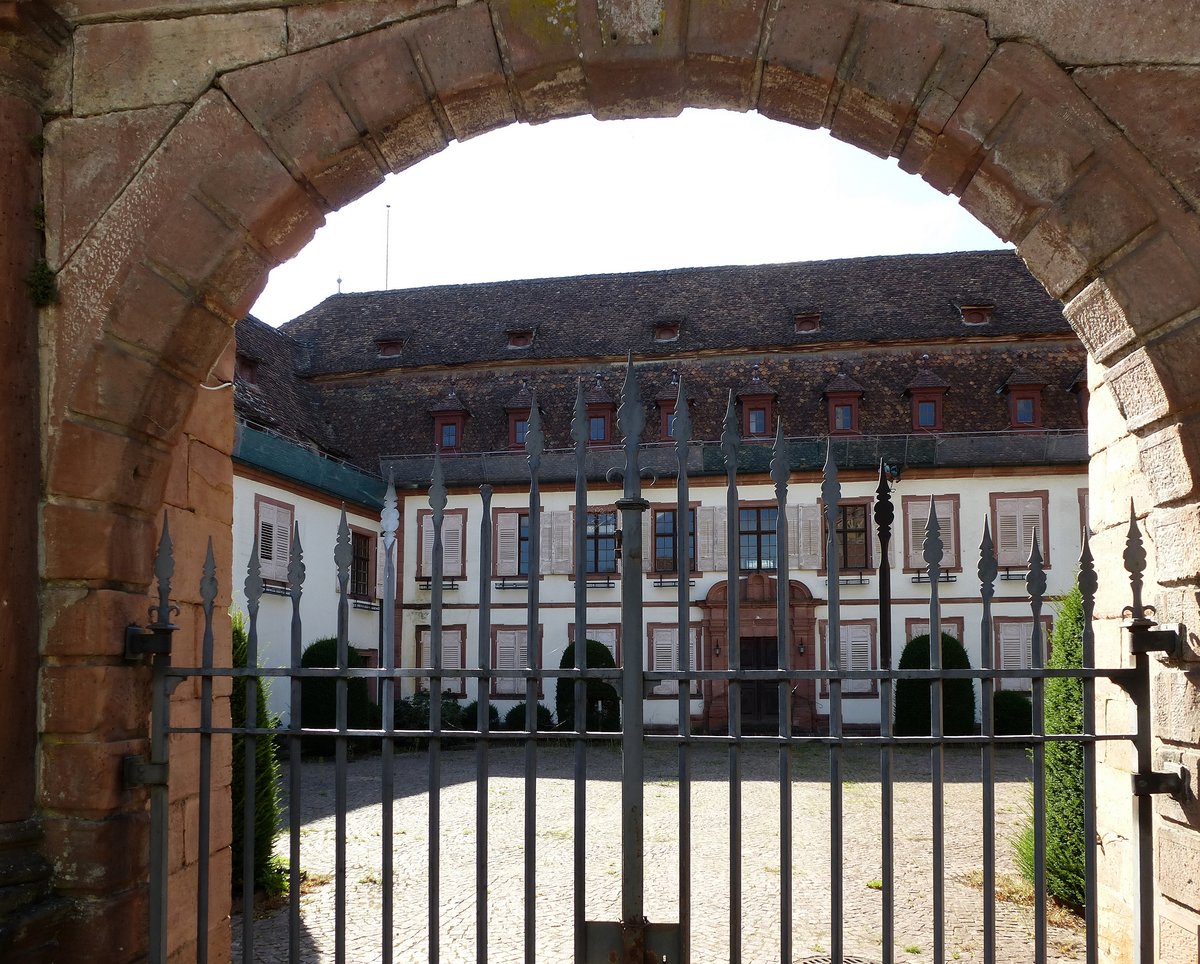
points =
(202, 192)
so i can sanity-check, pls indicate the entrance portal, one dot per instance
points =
(760, 698)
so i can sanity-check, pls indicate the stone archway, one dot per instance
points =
(185, 152)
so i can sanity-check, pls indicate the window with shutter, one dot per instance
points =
(857, 656)
(810, 536)
(608, 635)
(1015, 651)
(275, 521)
(453, 549)
(509, 654)
(1018, 519)
(381, 556)
(512, 554)
(916, 511)
(663, 656)
(453, 640)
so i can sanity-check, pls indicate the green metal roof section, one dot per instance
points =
(290, 460)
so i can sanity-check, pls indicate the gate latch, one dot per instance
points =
(1148, 637)
(1171, 782)
(154, 640)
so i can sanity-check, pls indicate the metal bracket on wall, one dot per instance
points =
(154, 640)
(1148, 637)
(1173, 783)
(140, 772)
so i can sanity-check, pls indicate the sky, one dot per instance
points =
(582, 196)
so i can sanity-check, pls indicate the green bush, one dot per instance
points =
(1012, 712)
(514, 719)
(470, 716)
(1065, 840)
(266, 774)
(913, 712)
(603, 702)
(318, 698)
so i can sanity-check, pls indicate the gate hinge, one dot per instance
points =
(152, 641)
(1170, 782)
(139, 772)
(1156, 638)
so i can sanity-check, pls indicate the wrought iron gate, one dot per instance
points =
(628, 935)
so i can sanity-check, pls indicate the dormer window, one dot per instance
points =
(758, 406)
(667, 329)
(807, 322)
(519, 337)
(1024, 391)
(449, 419)
(388, 347)
(842, 397)
(926, 392)
(601, 412)
(976, 314)
(246, 368)
(519, 408)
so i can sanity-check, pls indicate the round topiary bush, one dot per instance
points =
(318, 697)
(469, 718)
(1012, 712)
(913, 712)
(603, 702)
(514, 719)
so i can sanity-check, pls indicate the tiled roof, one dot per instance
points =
(927, 378)
(1023, 376)
(603, 316)
(737, 319)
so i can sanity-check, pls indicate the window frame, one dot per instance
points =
(1022, 393)
(758, 508)
(275, 574)
(654, 570)
(605, 411)
(515, 417)
(835, 399)
(696, 634)
(615, 627)
(928, 396)
(871, 690)
(422, 682)
(996, 498)
(998, 622)
(371, 590)
(870, 537)
(517, 694)
(591, 538)
(422, 516)
(440, 422)
(753, 403)
(908, 503)
(911, 622)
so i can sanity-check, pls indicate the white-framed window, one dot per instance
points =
(512, 542)
(857, 653)
(454, 549)
(510, 652)
(609, 635)
(916, 518)
(663, 656)
(1019, 518)
(1014, 648)
(453, 653)
(274, 521)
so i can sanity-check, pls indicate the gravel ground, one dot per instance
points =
(710, 856)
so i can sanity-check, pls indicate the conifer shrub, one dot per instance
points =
(318, 698)
(1065, 840)
(603, 701)
(913, 713)
(267, 875)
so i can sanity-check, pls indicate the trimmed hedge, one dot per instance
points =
(1065, 840)
(603, 702)
(266, 774)
(913, 711)
(318, 698)
(1012, 713)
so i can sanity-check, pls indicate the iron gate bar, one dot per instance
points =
(987, 579)
(730, 443)
(580, 434)
(295, 724)
(341, 556)
(437, 504)
(681, 432)
(831, 493)
(1035, 584)
(534, 445)
(389, 524)
(253, 589)
(1088, 585)
(780, 473)
(884, 516)
(631, 420)
(483, 693)
(932, 554)
(208, 593)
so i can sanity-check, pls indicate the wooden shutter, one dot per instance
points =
(510, 654)
(918, 518)
(810, 536)
(721, 540)
(649, 542)
(426, 568)
(563, 538)
(1016, 652)
(380, 566)
(664, 647)
(608, 636)
(452, 546)
(1008, 533)
(274, 540)
(508, 528)
(706, 524)
(1030, 512)
(856, 655)
(793, 536)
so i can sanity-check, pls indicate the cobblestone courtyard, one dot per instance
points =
(710, 860)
